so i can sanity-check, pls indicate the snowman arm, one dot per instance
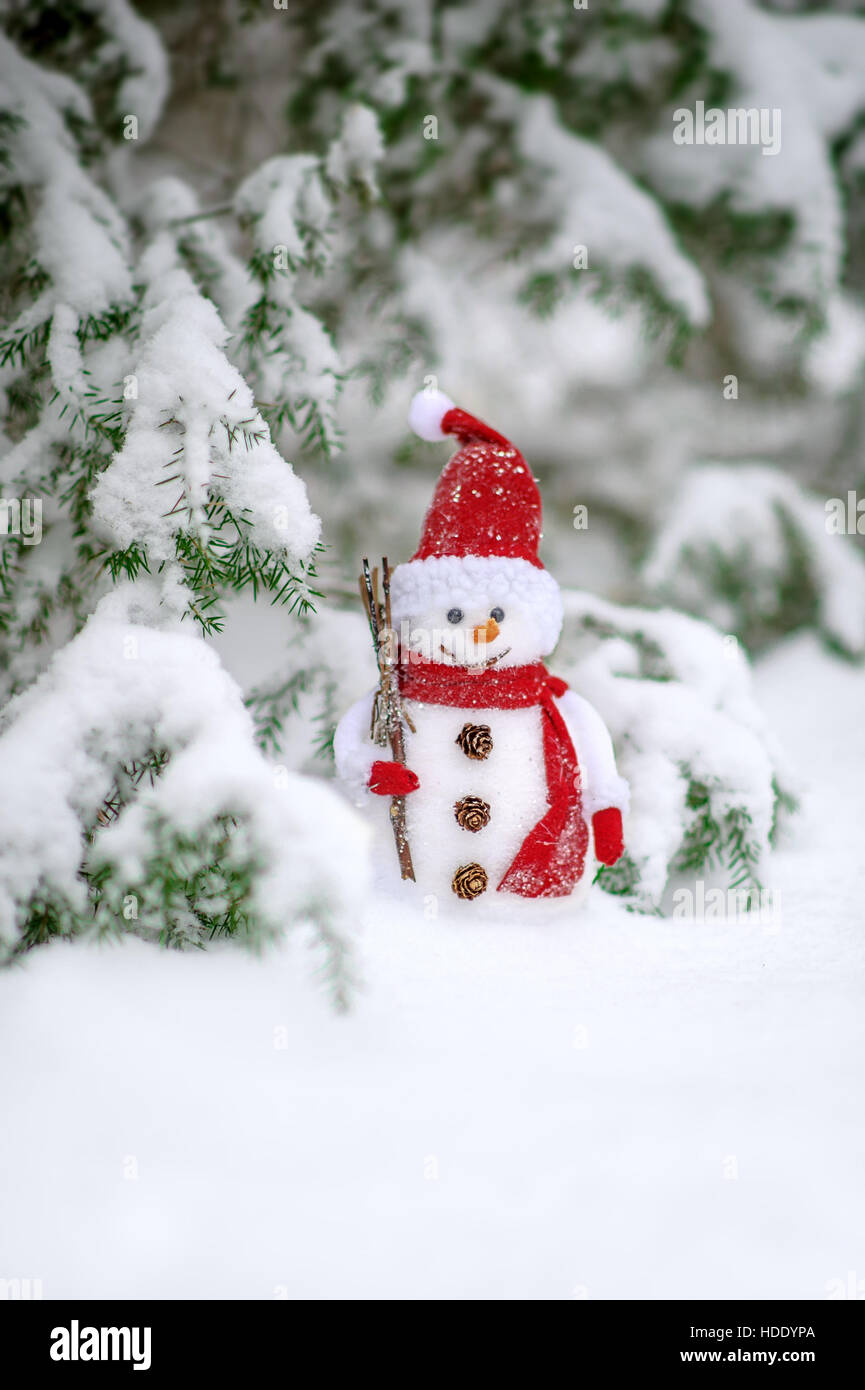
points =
(354, 751)
(602, 784)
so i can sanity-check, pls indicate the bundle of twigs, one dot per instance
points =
(387, 710)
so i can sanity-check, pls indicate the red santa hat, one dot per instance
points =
(479, 541)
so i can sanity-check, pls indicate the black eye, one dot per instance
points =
(455, 615)
(498, 615)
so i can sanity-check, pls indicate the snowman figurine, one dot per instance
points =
(510, 781)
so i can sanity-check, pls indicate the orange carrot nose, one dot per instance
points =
(486, 632)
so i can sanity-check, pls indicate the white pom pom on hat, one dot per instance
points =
(426, 412)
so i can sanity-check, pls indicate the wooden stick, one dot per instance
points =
(390, 651)
(389, 693)
(365, 588)
(397, 741)
(368, 594)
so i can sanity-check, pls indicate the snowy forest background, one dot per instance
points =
(236, 238)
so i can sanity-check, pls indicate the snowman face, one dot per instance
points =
(479, 633)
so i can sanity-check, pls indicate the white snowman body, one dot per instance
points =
(511, 781)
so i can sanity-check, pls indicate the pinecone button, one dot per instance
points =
(470, 881)
(476, 741)
(472, 813)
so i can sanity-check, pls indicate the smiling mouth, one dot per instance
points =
(474, 665)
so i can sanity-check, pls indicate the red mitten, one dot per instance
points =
(391, 779)
(609, 840)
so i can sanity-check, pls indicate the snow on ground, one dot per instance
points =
(597, 1106)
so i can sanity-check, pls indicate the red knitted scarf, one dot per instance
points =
(551, 858)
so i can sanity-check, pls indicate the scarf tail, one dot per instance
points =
(552, 857)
